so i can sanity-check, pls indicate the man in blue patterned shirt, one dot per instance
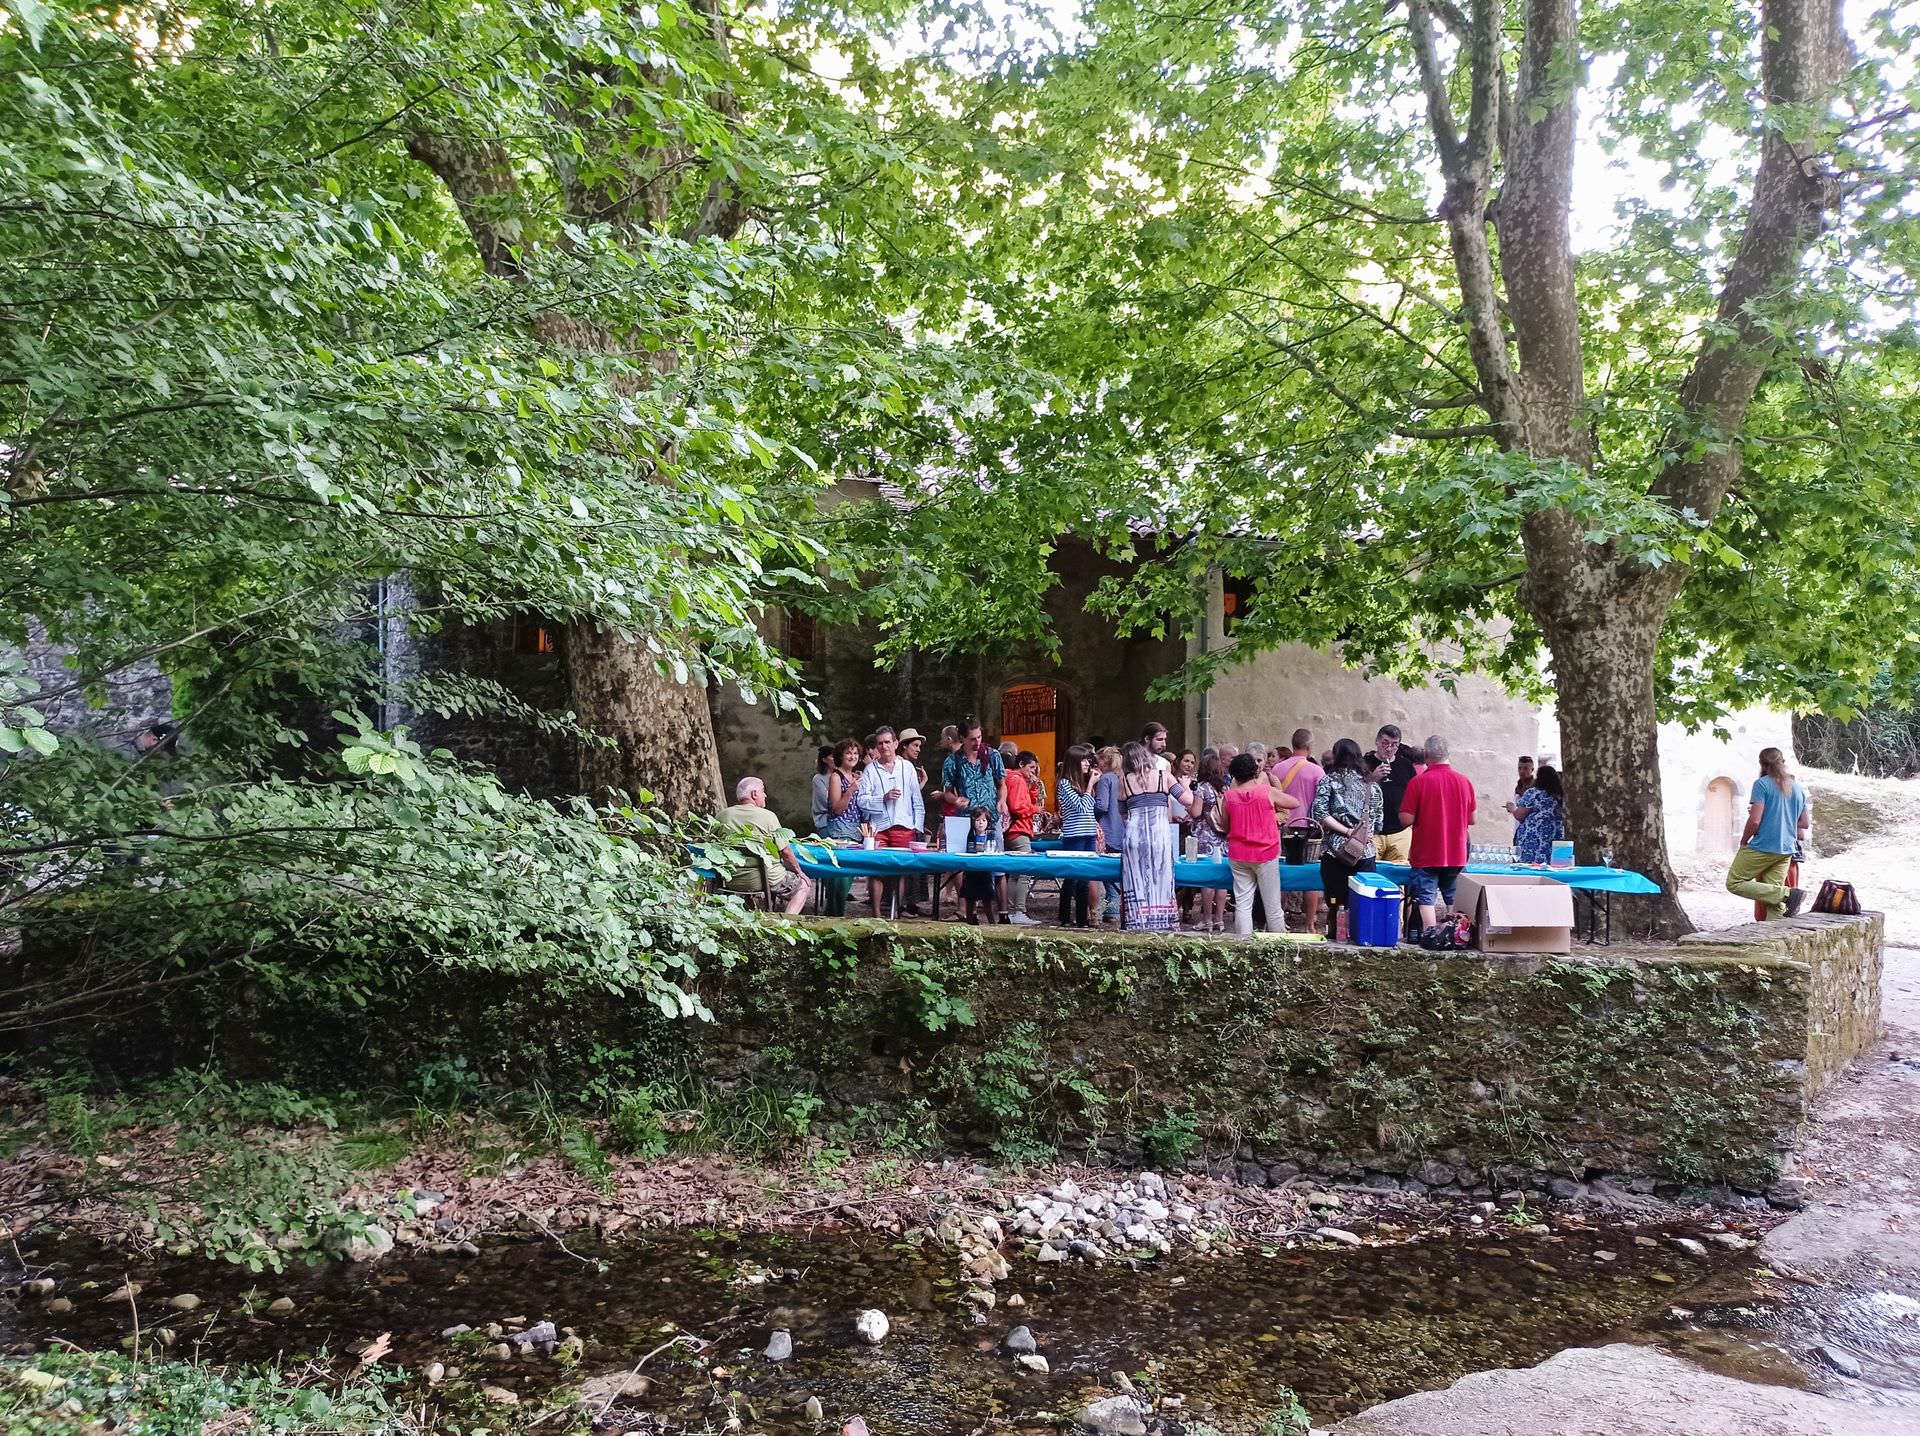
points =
(975, 776)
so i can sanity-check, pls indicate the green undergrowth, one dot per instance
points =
(62, 1393)
(267, 1176)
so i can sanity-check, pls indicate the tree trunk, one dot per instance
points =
(1603, 666)
(660, 732)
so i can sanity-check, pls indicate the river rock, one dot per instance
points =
(39, 1286)
(611, 1386)
(1840, 1360)
(873, 1326)
(500, 1396)
(500, 1351)
(1116, 1416)
(1732, 1241)
(1020, 1342)
(814, 1411)
(461, 1329)
(1340, 1235)
(126, 1292)
(436, 1373)
(370, 1245)
(280, 1306)
(186, 1301)
(540, 1335)
(1031, 1361)
(1049, 1252)
(779, 1346)
(59, 1306)
(1691, 1247)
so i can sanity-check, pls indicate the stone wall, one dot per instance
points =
(1679, 1067)
(1682, 1065)
(1295, 686)
(1842, 956)
(132, 699)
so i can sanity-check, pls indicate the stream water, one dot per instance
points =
(1344, 1329)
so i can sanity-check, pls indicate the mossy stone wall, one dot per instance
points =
(1686, 1064)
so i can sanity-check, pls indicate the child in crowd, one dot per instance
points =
(981, 887)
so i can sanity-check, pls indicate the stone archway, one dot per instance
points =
(1719, 817)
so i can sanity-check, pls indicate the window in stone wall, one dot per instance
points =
(803, 637)
(1236, 597)
(532, 636)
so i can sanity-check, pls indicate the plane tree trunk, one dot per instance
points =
(1600, 610)
(660, 737)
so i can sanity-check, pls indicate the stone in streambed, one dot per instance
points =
(1115, 1416)
(873, 1326)
(280, 1306)
(186, 1301)
(1020, 1342)
(1031, 1361)
(1840, 1360)
(779, 1346)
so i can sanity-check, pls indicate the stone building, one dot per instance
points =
(1096, 688)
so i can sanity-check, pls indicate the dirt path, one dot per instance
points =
(1862, 1156)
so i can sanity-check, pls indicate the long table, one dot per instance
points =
(822, 861)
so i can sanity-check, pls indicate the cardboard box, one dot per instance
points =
(1516, 912)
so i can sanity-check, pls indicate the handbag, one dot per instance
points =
(1837, 897)
(1353, 850)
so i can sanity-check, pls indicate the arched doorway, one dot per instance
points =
(1719, 831)
(1038, 717)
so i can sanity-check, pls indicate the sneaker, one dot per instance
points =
(1795, 897)
(1020, 919)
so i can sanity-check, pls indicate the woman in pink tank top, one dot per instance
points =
(1251, 808)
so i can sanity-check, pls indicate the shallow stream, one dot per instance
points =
(1343, 1328)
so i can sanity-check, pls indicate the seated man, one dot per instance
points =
(751, 814)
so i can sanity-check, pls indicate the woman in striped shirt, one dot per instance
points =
(1079, 828)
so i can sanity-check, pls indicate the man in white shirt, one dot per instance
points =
(890, 801)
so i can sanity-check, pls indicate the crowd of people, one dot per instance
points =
(1345, 808)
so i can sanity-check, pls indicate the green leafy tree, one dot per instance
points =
(1311, 278)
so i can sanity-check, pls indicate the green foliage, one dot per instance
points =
(925, 978)
(1290, 1419)
(61, 1393)
(756, 1117)
(1170, 1139)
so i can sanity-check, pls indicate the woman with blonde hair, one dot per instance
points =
(1778, 816)
(1148, 793)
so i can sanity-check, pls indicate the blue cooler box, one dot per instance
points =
(1376, 910)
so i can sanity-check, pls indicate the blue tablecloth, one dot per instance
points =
(821, 861)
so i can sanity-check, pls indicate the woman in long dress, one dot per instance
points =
(1147, 793)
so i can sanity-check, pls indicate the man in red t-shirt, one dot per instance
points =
(1438, 805)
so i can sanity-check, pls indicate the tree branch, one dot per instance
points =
(1804, 53)
(1536, 243)
(479, 175)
